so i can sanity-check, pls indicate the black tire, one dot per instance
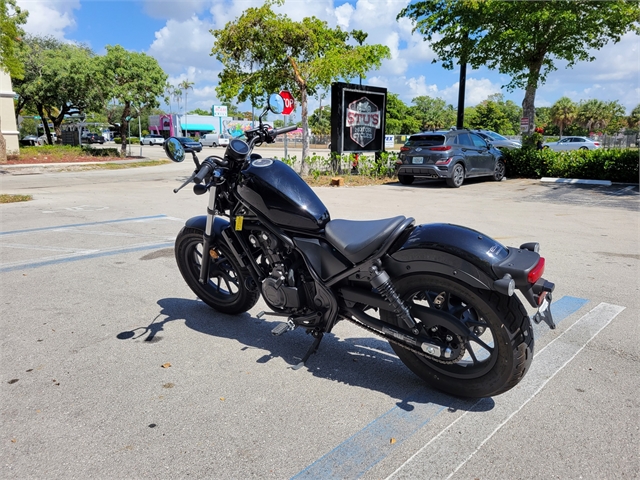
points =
(226, 290)
(499, 171)
(406, 179)
(500, 321)
(584, 148)
(457, 176)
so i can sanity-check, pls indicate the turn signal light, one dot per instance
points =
(536, 272)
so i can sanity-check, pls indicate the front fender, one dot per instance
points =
(449, 250)
(200, 223)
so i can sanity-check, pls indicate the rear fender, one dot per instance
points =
(457, 252)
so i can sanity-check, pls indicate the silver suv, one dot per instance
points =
(451, 156)
(497, 140)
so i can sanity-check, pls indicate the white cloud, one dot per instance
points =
(50, 17)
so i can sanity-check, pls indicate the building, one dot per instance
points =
(174, 125)
(8, 115)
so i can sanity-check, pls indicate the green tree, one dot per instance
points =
(320, 120)
(400, 119)
(199, 111)
(563, 113)
(497, 115)
(185, 86)
(432, 113)
(11, 19)
(592, 114)
(263, 52)
(633, 120)
(131, 79)
(59, 80)
(521, 39)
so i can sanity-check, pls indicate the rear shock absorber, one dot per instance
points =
(382, 283)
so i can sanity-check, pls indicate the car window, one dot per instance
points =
(478, 142)
(496, 136)
(565, 140)
(577, 140)
(464, 139)
(425, 140)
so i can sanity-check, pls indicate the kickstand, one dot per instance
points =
(311, 351)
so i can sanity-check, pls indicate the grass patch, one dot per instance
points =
(349, 180)
(8, 198)
(116, 166)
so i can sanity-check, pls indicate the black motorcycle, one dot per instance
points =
(442, 295)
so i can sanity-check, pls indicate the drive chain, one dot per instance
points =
(411, 349)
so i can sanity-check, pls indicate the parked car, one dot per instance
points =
(94, 138)
(572, 143)
(214, 139)
(153, 139)
(33, 140)
(190, 144)
(497, 140)
(451, 156)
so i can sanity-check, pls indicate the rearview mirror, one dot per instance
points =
(276, 103)
(174, 149)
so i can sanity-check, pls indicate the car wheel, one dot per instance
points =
(498, 173)
(457, 176)
(584, 148)
(406, 179)
(546, 147)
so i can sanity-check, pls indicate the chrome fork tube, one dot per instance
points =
(206, 239)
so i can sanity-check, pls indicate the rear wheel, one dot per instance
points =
(495, 355)
(226, 289)
(406, 179)
(457, 176)
(584, 148)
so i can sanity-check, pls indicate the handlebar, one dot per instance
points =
(279, 131)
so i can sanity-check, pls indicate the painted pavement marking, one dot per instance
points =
(475, 427)
(358, 454)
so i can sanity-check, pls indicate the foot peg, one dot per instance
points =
(283, 328)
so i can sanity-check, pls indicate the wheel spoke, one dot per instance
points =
(471, 352)
(480, 342)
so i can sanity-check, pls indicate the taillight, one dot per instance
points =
(536, 272)
(444, 162)
(441, 149)
(596, 144)
(404, 149)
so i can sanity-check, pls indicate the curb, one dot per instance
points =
(575, 181)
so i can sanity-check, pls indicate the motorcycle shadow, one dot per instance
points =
(366, 362)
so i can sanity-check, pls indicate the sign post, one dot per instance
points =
(289, 106)
(219, 111)
(524, 124)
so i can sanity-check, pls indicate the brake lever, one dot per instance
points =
(189, 180)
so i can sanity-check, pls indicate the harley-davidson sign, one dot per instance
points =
(363, 118)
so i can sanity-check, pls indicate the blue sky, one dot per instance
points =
(176, 33)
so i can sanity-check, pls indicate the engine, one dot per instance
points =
(286, 286)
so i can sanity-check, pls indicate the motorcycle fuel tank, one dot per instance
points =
(277, 192)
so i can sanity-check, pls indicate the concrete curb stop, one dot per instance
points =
(575, 181)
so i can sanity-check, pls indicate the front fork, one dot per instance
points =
(206, 238)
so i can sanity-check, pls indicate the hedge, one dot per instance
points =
(132, 140)
(616, 165)
(101, 152)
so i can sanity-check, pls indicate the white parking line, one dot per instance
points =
(478, 425)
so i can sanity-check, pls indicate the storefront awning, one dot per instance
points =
(197, 127)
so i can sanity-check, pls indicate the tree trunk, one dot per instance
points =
(123, 129)
(305, 131)
(45, 123)
(528, 104)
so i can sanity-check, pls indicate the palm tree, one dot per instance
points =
(592, 114)
(563, 113)
(185, 85)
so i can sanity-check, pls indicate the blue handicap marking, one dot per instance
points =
(359, 453)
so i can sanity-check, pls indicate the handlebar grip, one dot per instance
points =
(205, 170)
(280, 131)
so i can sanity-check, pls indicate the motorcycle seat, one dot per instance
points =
(357, 239)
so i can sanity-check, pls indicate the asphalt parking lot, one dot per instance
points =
(111, 368)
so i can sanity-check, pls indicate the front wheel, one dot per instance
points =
(406, 179)
(495, 355)
(227, 289)
(498, 173)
